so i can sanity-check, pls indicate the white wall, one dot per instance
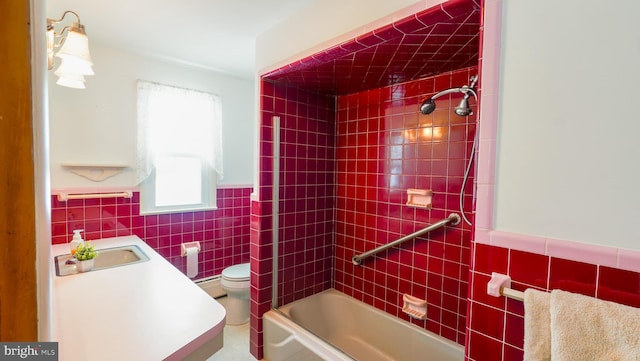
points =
(569, 123)
(98, 124)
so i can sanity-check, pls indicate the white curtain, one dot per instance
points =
(174, 120)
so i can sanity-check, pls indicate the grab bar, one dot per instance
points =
(453, 218)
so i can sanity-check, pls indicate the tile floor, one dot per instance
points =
(236, 342)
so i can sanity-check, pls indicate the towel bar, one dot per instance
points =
(500, 284)
(62, 196)
(513, 294)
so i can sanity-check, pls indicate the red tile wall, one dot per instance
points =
(307, 148)
(306, 206)
(496, 324)
(223, 233)
(384, 147)
(378, 155)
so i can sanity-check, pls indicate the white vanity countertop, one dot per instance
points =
(143, 311)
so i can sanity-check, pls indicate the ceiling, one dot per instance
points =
(216, 35)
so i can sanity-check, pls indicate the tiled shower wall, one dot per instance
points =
(384, 147)
(306, 205)
(307, 188)
(223, 233)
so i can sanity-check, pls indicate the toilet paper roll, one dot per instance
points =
(192, 261)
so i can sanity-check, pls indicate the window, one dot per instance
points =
(179, 148)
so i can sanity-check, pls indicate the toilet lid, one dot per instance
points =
(237, 272)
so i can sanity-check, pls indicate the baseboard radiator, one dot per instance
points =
(212, 286)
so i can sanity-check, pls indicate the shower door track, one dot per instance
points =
(275, 212)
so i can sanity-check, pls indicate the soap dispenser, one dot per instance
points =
(76, 240)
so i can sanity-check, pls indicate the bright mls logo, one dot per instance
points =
(29, 351)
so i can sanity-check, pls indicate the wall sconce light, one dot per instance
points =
(71, 46)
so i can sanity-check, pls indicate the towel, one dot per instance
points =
(585, 328)
(537, 326)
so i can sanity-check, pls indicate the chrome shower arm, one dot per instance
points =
(447, 91)
(464, 90)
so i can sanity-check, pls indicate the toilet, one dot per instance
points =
(235, 282)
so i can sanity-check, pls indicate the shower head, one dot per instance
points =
(463, 109)
(428, 106)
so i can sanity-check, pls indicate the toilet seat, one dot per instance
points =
(237, 273)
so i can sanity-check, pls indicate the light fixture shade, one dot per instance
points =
(76, 46)
(73, 51)
(71, 81)
(74, 66)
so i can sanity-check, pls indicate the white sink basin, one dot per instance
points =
(106, 258)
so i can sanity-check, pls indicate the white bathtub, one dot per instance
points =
(361, 331)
